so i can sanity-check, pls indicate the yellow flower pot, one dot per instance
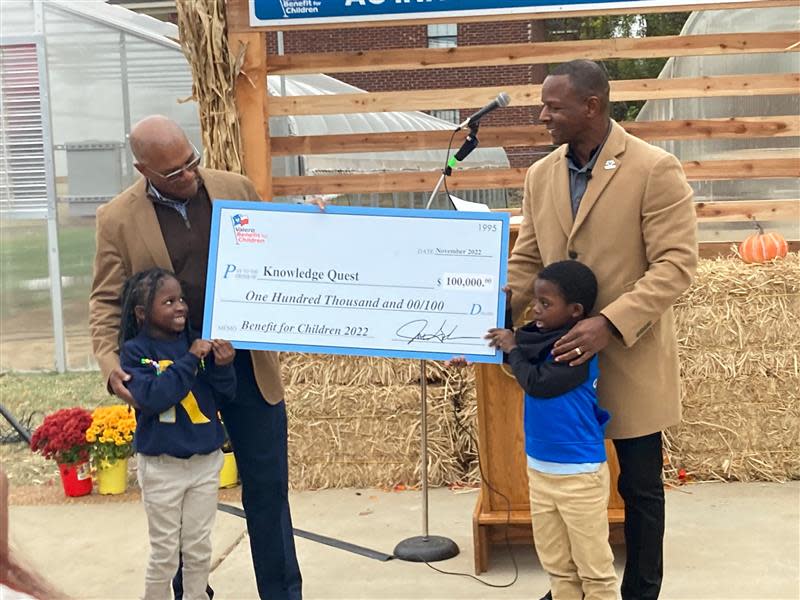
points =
(228, 474)
(112, 477)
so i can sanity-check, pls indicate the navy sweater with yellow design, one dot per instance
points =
(178, 397)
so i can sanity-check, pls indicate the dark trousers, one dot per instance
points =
(642, 489)
(259, 438)
(177, 583)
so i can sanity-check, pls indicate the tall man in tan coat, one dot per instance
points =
(164, 220)
(624, 208)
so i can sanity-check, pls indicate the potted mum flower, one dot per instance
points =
(62, 437)
(110, 438)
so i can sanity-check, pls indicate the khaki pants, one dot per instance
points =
(570, 530)
(180, 499)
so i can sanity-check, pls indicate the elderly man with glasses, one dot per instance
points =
(164, 220)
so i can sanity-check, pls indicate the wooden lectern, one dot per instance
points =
(501, 447)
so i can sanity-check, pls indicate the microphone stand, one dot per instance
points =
(432, 548)
(470, 143)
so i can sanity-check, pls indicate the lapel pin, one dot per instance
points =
(610, 164)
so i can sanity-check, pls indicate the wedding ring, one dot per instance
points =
(578, 350)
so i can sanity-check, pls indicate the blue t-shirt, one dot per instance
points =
(564, 425)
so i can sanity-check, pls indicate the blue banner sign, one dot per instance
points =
(288, 13)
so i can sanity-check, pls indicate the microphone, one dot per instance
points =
(502, 100)
(470, 143)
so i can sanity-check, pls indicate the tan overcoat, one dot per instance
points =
(636, 229)
(129, 240)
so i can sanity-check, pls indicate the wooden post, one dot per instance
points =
(251, 108)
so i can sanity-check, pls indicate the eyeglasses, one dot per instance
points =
(190, 165)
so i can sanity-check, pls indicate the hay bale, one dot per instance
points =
(467, 442)
(733, 305)
(739, 343)
(698, 364)
(748, 433)
(369, 435)
(356, 370)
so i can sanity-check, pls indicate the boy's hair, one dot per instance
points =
(575, 280)
(139, 290)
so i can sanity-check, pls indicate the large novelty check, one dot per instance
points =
(365, 281)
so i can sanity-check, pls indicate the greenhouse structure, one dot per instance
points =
(726, 21)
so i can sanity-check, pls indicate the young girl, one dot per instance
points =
(177, 381)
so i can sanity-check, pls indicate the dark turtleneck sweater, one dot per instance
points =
(187, 245)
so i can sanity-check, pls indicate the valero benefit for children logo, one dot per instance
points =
(244, 233)
(299, 7)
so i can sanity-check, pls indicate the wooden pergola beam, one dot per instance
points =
(749, 210)
(730, 211)
(537, 135)
(715, 249)
(773, 168)
(534, 53)
(530, 95)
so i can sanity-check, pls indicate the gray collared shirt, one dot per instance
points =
(178, 205)
(579, 176)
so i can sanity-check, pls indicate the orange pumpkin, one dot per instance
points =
(762, 247)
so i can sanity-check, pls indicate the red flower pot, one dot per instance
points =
(77, 479)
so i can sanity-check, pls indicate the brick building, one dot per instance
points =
(439, 35)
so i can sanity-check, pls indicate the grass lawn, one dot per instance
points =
(29, 398)
(23, 257)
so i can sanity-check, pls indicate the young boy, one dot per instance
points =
(567, 469)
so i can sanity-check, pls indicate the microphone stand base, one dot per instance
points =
(430, 548)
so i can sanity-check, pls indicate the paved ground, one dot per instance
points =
(724, 541)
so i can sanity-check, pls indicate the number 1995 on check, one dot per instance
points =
(466, 281)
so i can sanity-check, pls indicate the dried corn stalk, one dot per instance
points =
(204, 40)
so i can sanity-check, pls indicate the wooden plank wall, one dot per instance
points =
(255, 107)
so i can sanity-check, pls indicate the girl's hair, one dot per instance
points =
(139, 290)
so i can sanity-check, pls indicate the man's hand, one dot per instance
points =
(319, 201)
(458, 362)
(223, 352)
(586, 338)
(501, 338)
(200, 348)
(116, 385)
